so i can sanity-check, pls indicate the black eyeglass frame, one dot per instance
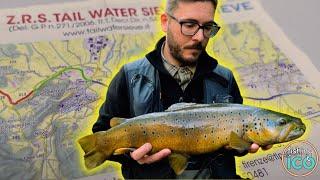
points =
(212, 34)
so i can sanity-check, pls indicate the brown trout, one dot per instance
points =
(191, 129)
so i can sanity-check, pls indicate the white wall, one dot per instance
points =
(299, 19)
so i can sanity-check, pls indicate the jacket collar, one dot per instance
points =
(205, 63)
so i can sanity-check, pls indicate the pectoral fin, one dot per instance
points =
(178, 162)
(123, 151)
(115, 121)
(238, 143)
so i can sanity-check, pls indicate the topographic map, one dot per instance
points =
(55, 71)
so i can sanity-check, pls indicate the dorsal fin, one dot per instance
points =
(115, 121)
(187, 106)
(183, 106)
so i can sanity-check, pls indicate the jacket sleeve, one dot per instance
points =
(116, 103)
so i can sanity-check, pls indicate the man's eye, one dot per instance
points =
(189, 25)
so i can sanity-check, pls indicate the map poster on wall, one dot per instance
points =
(57, 60)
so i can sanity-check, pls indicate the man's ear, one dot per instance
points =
(164, 22)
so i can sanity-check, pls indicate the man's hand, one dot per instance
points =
(255, 147)
(142, 157)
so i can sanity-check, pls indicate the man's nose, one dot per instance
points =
(199, 36)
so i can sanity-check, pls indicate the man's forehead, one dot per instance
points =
(200, 11)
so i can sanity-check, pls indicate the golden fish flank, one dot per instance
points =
(189, 129)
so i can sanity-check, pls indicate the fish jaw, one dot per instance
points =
(293, 131)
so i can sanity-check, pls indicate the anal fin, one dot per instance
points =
(178, 162)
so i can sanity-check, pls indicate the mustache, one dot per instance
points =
(195, 46)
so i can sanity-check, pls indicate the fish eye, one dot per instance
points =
(282, 122)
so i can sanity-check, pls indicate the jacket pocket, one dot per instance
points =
(142, 92)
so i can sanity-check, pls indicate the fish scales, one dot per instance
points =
(176, 130)
(192, 129)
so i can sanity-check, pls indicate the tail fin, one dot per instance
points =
(94, 156)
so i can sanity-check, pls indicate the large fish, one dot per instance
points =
(191, 129)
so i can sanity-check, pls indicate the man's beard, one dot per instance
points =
(176, 51)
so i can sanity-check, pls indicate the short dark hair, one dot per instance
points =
(172, 4)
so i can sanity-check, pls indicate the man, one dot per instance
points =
(178, 70)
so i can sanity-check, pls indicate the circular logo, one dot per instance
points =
(300, 158)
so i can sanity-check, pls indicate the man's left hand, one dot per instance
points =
(255, 147)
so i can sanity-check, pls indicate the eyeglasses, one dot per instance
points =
(190, 28)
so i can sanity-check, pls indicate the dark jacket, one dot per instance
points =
(117, 104)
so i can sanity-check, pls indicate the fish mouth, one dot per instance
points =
(292, 132)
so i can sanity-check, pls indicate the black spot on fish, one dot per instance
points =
(125, 130)
(205, 136)
(186, 134)
(212, 131)
(172, 130)
(255, 123)
(153, 133)
(144, 132)
(207, 116)
(218, 137)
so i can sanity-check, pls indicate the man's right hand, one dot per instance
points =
(142, 157)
